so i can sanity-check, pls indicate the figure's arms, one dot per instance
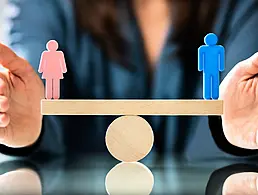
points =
(62, 62)
(42, 63)
(221, 58)
(201, 59)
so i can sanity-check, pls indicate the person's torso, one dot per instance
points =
(91, 75)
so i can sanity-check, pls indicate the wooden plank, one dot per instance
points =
(132, 107)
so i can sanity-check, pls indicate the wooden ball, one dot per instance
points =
(129, 178)
(129, 138)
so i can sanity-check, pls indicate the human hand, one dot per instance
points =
(239, 90)
(21, 91)
(241, 184)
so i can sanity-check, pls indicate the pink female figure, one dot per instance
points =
(52, 65)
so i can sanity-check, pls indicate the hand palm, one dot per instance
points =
(239, 90)
(24, 96)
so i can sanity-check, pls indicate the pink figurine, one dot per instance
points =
(52, 65)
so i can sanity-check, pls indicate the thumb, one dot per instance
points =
(243, 71)
(12, 62)
(249, 67)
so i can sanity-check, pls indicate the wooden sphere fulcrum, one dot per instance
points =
(129, 138)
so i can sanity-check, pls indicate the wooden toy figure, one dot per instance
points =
(52, 65)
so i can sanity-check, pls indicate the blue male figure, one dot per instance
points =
(211, 59)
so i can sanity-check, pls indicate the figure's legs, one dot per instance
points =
(206, 86)
(56, 88)
(215, 86)
(49, 89)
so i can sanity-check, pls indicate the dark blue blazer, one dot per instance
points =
(91, 75)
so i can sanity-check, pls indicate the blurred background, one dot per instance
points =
(2, 4)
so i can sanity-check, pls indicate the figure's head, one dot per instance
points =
(211, 39)
(52, 45)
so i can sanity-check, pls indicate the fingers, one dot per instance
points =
(249, 67)
(4, 104)
(4, 117)
(6, 55)
(4, 120)
(5, 85)
(241, 183)
(10, 61)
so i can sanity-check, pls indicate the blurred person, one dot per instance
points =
(133, 49)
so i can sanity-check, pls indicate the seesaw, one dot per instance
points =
(130, 138)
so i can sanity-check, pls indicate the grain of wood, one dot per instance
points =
(129, 138)
(132, 107)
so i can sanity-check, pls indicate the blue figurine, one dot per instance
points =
(211, 60)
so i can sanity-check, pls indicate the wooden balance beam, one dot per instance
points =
(132, 107)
